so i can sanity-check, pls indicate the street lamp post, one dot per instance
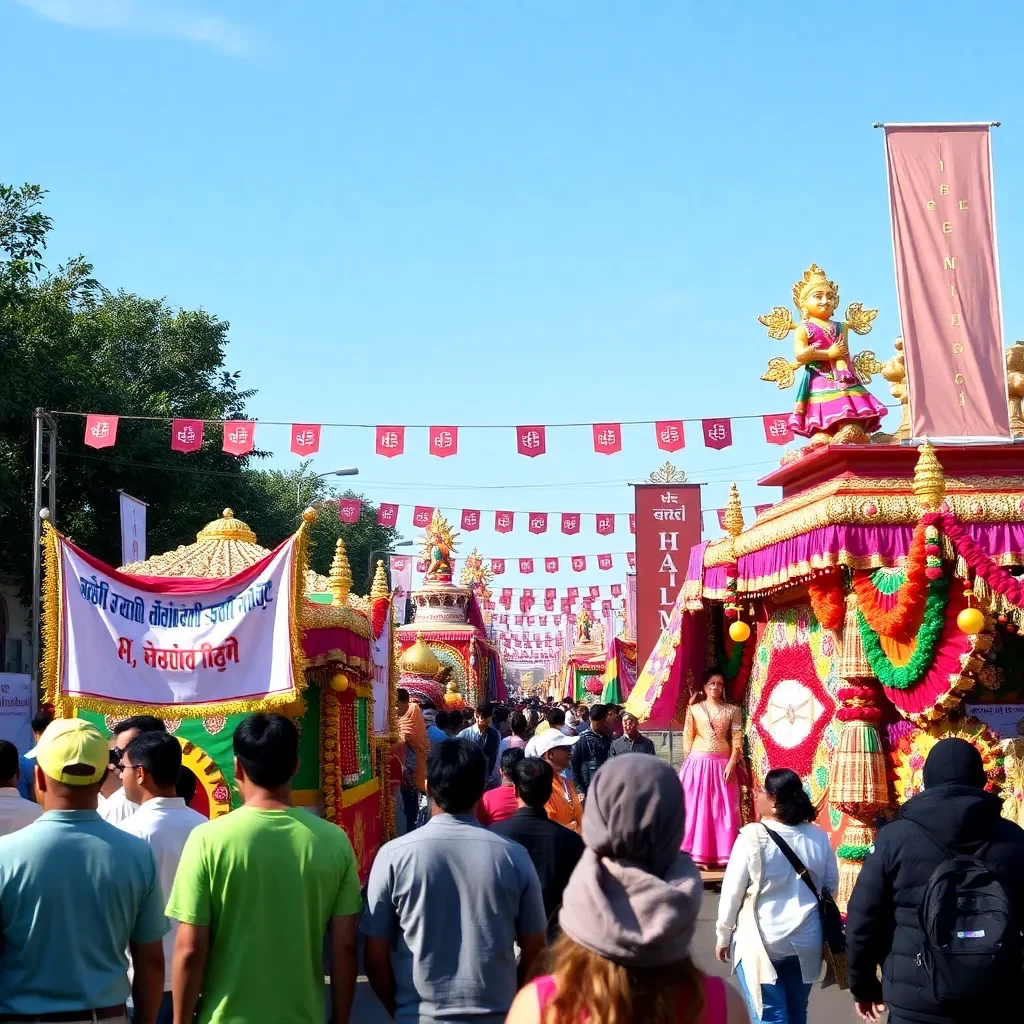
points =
(383, 551)
(346, 471)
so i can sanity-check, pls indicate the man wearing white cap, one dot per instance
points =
(564, 805)
(75, 894)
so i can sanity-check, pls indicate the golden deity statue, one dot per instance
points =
(438, 547)
(832, 403)
(477, 575)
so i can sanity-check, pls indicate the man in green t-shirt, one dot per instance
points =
(256, 892)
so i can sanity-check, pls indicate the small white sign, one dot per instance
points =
(1005, 720)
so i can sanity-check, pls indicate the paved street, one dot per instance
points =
(830, 1006)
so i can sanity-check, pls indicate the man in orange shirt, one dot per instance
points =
(564, 806)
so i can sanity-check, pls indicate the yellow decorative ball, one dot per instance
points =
(339, 682)
(971, 621)
(453, 697)
(739, 632)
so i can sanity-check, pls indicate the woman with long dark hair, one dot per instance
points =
(629, 914)
(768, 918)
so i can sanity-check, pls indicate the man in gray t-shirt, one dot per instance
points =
(446, 903)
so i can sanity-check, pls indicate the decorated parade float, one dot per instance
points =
(875, 608)
(210, 632)
(620, 670)
(587, 660)
(448, 630)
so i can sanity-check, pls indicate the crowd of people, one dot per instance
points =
(544, 882)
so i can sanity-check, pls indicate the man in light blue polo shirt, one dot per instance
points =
(75, 893)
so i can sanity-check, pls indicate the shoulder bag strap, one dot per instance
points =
(798, 864)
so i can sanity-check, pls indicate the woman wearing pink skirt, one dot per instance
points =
(712, 747)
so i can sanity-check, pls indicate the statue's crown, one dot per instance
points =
(813, 275)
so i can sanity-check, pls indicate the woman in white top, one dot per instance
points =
(768, 922)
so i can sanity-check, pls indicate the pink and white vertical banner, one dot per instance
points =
(401, 584)
(380, 653)
(947, 280)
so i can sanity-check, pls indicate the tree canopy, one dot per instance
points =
(69, 343)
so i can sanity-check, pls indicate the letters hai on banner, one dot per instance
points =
(100, 430)
(777, 429)
(671, 437)
(717, 434)
(390, 441)
(668, 525)
(239, 436)
(570, 522)
(551, 565)
(387, 514)
(349, 509)
(531, 441)
(421, 516)
(470, 519)
(503, 522)
(607, 438)
(305, 438)
(538, 522)
(186, 435)
(605, 523)
(444, 441)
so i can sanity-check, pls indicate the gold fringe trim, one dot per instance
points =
(280, 702)
(300, 563)
(50, 617)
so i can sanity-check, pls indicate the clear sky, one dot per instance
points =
(500, 212)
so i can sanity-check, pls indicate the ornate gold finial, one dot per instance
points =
(733, 512)
(668, 474)
(929, 480)
(340, 578)
(309, 516)
(380, 581)
(228, 513)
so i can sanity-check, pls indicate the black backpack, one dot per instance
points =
(966, 918)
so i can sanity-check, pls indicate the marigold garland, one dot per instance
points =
(896, 621)
(903, 677)
(852, 851)
(828, 601)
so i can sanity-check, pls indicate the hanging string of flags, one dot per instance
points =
(238, 437)
(471, 519)
(526, 566)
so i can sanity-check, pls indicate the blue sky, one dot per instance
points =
(500, 212)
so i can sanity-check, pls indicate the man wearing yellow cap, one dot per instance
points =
(75, 894)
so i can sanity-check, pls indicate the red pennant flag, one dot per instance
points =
(422, 565)
(550, 594)
(523, 604)
(605, 523)
(100, 430)
(498, 566)
(579, 563)
(387, 514)
(470, 519)
(528, 595)
(720, 512)
(565, 604)
(187, 435)
(551, 565)
(632, 522)
(538, 522)
(421, 516)
(671, 437)
(717, 433)
(759, 510)
(506, 594)
(631, 559)
(348, 510)
(777, 429)
(604, 561)
(549, 604)
(543, 620)
(503, 521)
(526, 565)
(570, 522)
(305, 438)
(531, 441)
(519, 620)
(531, 620)
(444, 441)
(595, 592)
(606, 607)
(616, 590)
(239, 436)
(390, 441)
(607, 438)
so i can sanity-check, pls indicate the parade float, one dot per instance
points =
(587, 661)
(873, 610)
(210, 632)
(448, 629)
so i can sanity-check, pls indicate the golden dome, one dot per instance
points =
(227, 528)
(419, 660)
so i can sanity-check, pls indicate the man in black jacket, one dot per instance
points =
(553, 848)
(882, 926)
(593, 748)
